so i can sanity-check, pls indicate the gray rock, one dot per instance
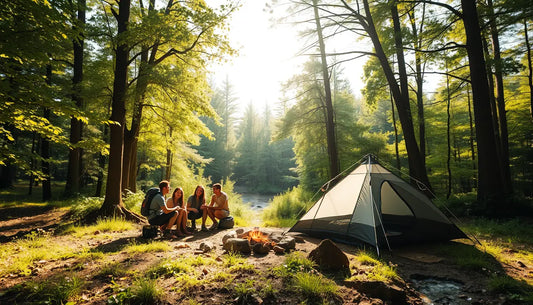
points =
(237, 245)
(287, 243)
(206, 246)
(230, 234)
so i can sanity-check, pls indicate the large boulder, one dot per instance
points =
(329, 257)
(237, 245)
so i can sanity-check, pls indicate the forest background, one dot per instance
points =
(109, 97)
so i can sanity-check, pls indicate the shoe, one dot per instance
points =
(214, 226)
(204, 228)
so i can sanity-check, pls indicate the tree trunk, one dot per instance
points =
(419, 78)
(490, 182)
(529, 69)
(45, 148)
(396, 148)
(73, 183)
(500, 102)
(113, 205)
(448, 151)
(417, 169)
(334, 165)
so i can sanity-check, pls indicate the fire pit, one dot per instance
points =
(258, 241)
(256, 236)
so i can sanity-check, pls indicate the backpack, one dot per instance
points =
(150, 194)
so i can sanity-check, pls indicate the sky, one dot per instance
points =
(267, 56)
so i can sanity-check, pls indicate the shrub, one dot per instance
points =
(286, 208)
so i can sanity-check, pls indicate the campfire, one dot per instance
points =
(256, 236)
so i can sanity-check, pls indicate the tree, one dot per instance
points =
(73, 182)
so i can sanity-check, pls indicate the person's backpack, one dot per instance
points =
(150, 194)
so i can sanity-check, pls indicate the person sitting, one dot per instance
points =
(176, 201)
(218, 207)
(194, 204)
(161, 215)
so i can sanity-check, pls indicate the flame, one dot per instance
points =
(258, 237)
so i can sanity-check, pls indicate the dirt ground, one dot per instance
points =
(414, 264)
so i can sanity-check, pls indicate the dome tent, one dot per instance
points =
(373, 206)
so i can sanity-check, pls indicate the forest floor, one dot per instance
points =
(109, 278)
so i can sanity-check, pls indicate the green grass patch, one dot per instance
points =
(153, 246)
(314, 286)
(107, 225)
(243, 292)
(508, 231)
(58, 290)
(469, 257)
(19, 256)
(170, 267)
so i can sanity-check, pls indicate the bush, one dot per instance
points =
(286, 208)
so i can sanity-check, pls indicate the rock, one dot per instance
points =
(275, 237)
(278, 250)
(261, 248)
(287, 243)
(376, 289)
(237, 245)
(328, 256)
(181, 246)
(230, 234)
(239, 230)
(206, 246)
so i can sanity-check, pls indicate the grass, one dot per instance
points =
(378, 269)
(170, 267)
(58, 290)
(510, 232)
(152, 246)
(314, 286)
(107, 225)
(19, 256)
(468, 257)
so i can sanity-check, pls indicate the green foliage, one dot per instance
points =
(153, 246)
(509, 231)
(379, 271)
(315, 286)
(170, 268)
(84, 206)
(58, 290)
(507, 285)
(287, 208)
(294, 262)
(244, 292)
(469, 257)
(105, 225)
(19, 255)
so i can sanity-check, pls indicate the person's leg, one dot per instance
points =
(204, 217)
(183, 215)
(192, 217)
(174, 221)
(212, 215)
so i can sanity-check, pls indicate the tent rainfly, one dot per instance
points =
(373, 206)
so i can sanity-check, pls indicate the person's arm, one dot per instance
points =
(166, 209)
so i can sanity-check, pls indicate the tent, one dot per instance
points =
(373, 206)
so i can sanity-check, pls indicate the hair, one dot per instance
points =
(163, 184)
(203, 192)
(217, 186)
(180, 200)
